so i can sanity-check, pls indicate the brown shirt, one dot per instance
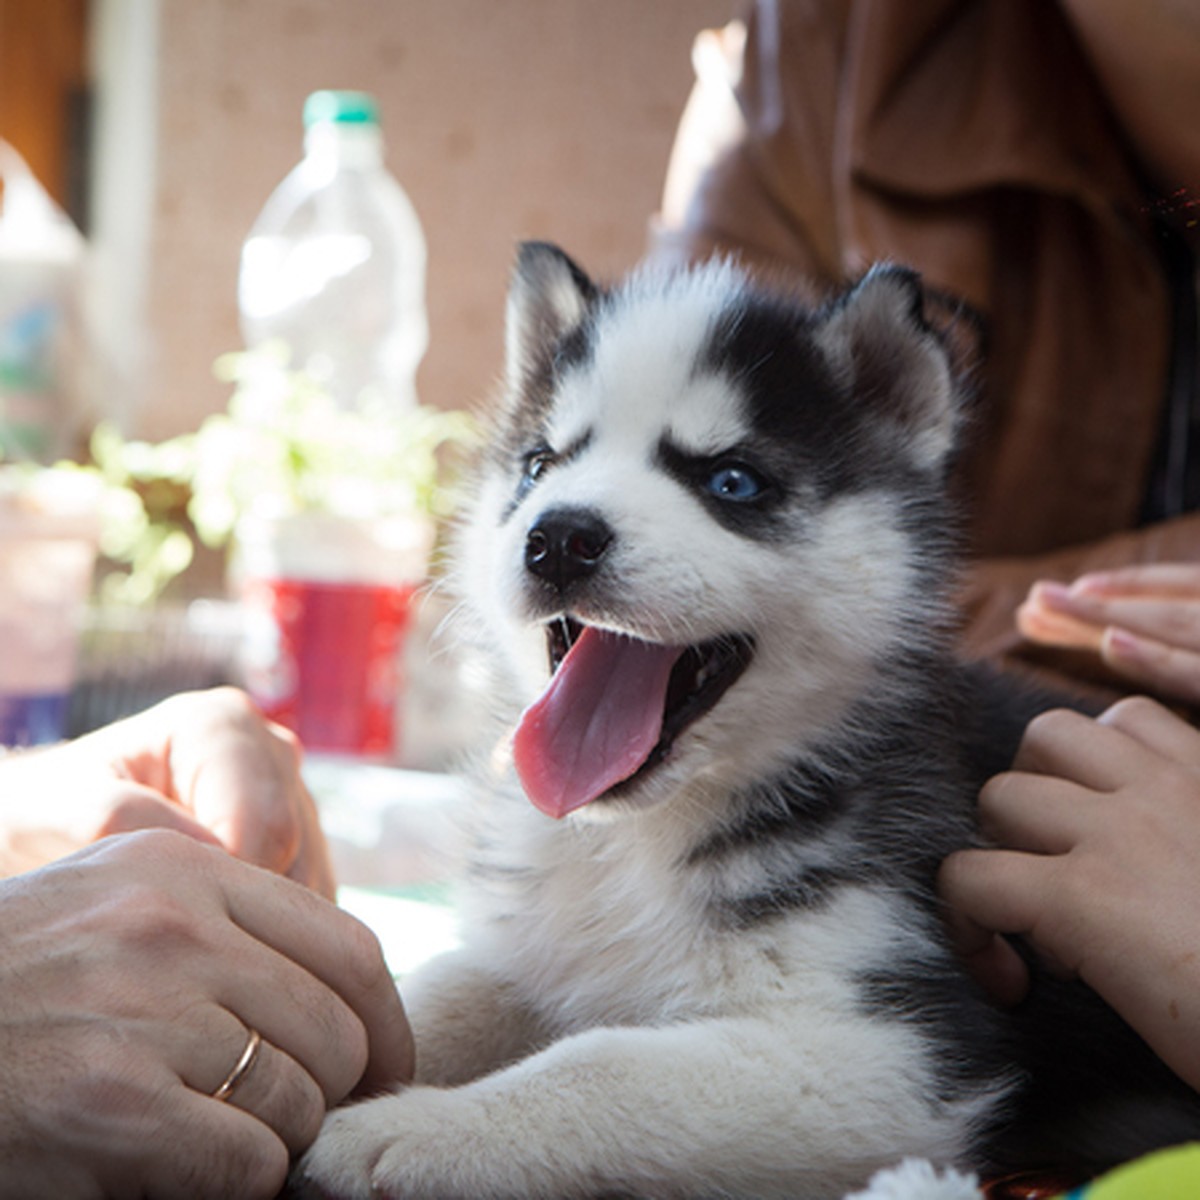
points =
(1016, 152)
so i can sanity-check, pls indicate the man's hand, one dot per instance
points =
(131, 975)
(205, 763)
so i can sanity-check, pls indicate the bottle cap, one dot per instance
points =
(349, 108)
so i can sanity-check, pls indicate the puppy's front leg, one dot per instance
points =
(467, 1021)
(741, 1107)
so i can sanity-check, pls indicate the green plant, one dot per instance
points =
(282, 447)
(284, 444)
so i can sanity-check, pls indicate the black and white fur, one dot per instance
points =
(728, 978)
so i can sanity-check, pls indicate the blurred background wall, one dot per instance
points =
(504, 119)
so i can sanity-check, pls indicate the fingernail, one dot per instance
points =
(1054, 595)
(1130, 648)
(1094, 581)
(1123, 644)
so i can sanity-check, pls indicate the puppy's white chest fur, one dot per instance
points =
(610, 924)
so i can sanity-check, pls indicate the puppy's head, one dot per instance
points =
(707, 515)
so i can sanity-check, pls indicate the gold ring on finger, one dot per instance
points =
(240, 1068)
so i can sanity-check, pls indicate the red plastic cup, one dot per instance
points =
(324, 649)
(337, 657)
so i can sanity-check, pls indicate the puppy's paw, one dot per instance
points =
(340, 1164)
(422, 1144)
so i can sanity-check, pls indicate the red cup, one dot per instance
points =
(335, 673)
(324, 646)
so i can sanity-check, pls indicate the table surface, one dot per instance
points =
(393, 839)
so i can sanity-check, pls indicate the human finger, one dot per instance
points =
(1163, 579)
(1174, 619)
(1044, 625)
(240, 775)
(206, 1150)
(128, 1126)
(1155, 665)
(252, 1074)
(317, 1027)
(1072, 746)
(160, 904)
(336, 949)
(313, 863)
(1000, 890)
(132, 806)
(247, 785)
(989, 958)
(1038, 814)
(214, 754)
(216, 1054)
(1007, 892)
(309, 976)
(1156, 727)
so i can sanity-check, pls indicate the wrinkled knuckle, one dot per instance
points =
(224, 705)
(294, 1104)
(151, 921)
(349, 1034)
(126, 810)
(225, 699)
(164, 846)
(347, 1055)
(234, 700)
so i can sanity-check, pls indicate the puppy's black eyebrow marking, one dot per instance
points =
(574, 449)
(759, 518)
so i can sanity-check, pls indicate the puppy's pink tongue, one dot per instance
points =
(597, 721)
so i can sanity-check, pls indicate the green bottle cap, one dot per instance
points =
(349, 108)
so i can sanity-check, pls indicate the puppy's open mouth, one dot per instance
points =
(614, 707)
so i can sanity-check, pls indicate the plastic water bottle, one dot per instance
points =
(335, 264)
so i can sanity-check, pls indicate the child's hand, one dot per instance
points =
(1144, 622)
(1097, 865)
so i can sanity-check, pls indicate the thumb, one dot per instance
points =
(134, 807)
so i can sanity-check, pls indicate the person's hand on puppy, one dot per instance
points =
(204, 763)
(1143, 622)
(134, 976)
(1097, 836)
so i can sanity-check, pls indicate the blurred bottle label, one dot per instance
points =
(40, 258)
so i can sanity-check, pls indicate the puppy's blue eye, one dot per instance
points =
(533, 466)
(736, 482)
(536, 462)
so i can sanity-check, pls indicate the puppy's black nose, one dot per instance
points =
(566, 544)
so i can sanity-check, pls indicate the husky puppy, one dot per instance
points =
(703, 957)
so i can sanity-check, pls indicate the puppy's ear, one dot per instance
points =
(880, 346)
(548, 297)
